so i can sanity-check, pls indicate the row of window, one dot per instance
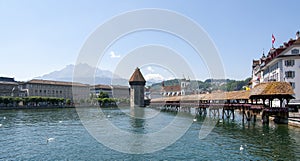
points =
(289, 63)
(273, 67)
(48, 92)
(274, 77)
(290, 74)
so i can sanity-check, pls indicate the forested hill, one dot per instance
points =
(209, 84)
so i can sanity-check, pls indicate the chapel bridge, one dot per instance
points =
(257, 101)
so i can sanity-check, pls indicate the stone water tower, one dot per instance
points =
(137, 84)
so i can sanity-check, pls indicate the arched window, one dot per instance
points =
(295, 51)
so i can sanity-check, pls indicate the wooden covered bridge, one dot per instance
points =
(259, 100)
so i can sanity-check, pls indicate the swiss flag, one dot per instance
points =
(273, 39)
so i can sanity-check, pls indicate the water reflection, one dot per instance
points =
(137, 118)
(264, 140)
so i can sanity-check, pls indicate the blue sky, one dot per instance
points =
(38, 37)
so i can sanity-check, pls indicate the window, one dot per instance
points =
(293, 84)
(266, 71)
(274, 67)
(289, 63)
(290, 74)
(40, 91)
(295, 51)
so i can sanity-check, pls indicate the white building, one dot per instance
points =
(49, 88)
(113, 91)
(281, 64)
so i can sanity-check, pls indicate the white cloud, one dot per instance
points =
(113, 55)
(154, 76)
(150, 69)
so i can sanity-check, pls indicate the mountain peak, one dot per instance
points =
(85, 70)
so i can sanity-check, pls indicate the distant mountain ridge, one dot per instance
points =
(101, 76)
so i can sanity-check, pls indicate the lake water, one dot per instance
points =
(58, 134)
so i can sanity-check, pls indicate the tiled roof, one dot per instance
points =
(272, 88)
(297, 42)
(8, 83)
(232, 95)
(263, 89)
(101, 86)
(172, 88)
(137, 76)
(119, 87)
(51, 82)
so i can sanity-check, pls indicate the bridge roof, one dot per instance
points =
(233, 95)
(263, 90)
(272, 89)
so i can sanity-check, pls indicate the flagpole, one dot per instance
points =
(273, 40)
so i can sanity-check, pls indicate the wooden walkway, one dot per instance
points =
(250, 103)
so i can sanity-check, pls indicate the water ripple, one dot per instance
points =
(24, 134)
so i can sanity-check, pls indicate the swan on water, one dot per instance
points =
(241, 148)
(50, 139)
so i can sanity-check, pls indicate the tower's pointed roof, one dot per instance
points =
(137, 76)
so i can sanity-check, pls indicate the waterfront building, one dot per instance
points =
(281, 64)
(137, 86)
(50, 88)
(182, 88)
(120, 91)
(8, 87)
(113, 91)
(174, 90)
(97, 89)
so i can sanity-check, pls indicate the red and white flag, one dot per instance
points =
(273, 39)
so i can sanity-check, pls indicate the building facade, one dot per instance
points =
(8, 87)
(182, 88)
(120, 91)
(113, 91)
(281, 64)
(97, 89)
(49, 88)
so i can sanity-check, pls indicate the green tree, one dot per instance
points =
(107, 102)
(68, 102)
(6, 100)
(17, 100)
(103, 95)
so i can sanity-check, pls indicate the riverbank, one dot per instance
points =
(33, 107)
(57, 107)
